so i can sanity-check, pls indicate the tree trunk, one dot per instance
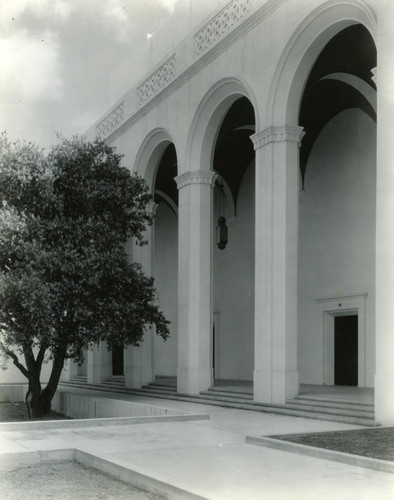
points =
(41, 400)
(39, 403)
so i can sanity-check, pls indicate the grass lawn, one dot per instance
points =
(17, 412)
(377, 442)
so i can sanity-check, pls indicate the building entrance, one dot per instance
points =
(346, 350)
(117, 360)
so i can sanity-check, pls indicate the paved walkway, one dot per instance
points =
(210, 458)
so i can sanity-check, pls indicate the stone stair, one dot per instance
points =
(162, 385)
(357, 413)
(356, 409)
(114, 382)
(80, 379)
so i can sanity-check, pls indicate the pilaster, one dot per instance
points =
(276, 240)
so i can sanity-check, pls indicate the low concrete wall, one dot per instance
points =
(11, 393)
(85, 406)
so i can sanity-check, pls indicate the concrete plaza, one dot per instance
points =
(208, 458)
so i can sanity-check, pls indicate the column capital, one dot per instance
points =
(151, 208)
(286, 133)
(196, 177)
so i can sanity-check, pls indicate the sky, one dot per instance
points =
(63, 63)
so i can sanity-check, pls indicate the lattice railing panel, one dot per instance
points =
(157, 81)
(110, 122)
(220, 25)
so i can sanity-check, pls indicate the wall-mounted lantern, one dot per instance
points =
(221, 233)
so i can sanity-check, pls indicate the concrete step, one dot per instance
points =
(300, 401)
(110, 385)
(159, 388)
(165, 381)
(329, 410)
(328, 400)
(213, 393)
(114, 381)
(233, 403)
(333, 410)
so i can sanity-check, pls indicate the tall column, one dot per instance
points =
(276, 233)
(384, 330)
(194, 281)
(138, 367)
(99, 364)
(70, 370)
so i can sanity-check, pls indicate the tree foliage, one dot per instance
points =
(65, 279)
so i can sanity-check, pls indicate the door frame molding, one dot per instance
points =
(342, 305)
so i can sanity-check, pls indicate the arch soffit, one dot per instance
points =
(150, 153)
(208, 118)
(302, 51)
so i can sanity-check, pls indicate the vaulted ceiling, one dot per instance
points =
(234, 149)
(341, 78)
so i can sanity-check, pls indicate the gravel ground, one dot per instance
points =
(63, 480)
(374, 443)
(66, 481)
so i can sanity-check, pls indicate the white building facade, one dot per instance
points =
(271, 121)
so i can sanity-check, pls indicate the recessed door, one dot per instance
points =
(346, 350)
(117, 360)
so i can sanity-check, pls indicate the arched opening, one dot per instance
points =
(165, 259)
(337, 213)
(233, 252)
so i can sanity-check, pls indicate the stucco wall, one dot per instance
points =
(12, 375)
(337, 233)
(165, 271)
(233, 290)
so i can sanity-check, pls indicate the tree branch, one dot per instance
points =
(57, 367)
(29, 358)
(40, 357)
(16, 362)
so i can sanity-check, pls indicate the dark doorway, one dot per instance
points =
(346, 350)
(117, 360)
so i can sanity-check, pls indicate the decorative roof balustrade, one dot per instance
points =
(180, 64)
(158, 80)
(111, 121)
(220, 25)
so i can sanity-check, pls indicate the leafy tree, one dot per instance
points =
(65, 279)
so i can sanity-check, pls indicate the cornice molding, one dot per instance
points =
(286, 133)
(342, 297)
(197, 177)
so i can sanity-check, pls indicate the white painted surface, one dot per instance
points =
(384, 396)
(233, 294)
(268, 58)
(210, 457)
(84, 406)
(165, 354)
(337, 234)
